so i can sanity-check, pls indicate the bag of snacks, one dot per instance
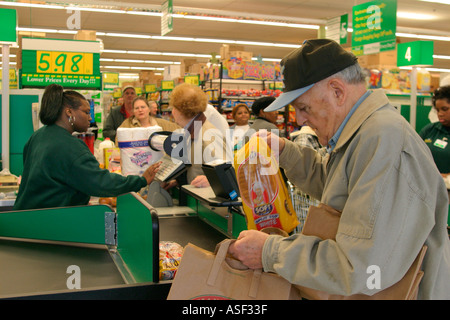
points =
(265, 198)
(169, 258)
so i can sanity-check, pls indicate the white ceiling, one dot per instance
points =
(293, 11)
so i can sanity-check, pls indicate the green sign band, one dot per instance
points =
(34, 80)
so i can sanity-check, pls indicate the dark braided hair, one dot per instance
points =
(55, 99)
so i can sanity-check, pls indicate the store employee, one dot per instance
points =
(437, 135)
(59, 169)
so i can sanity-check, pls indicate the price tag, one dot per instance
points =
(167, 85)
(150, 88)
(194, 80)
(64, 62)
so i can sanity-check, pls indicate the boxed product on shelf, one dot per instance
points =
(90, 35)
(226, 48)
(145, 75)
(185, 65)
(172, 72)
(243, 55)
(238, 69)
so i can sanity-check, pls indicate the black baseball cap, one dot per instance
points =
(314, 61)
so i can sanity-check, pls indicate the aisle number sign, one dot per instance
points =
(336, 29)
(415, 53)
(8, 25)
(166, 17)
(374, 25)
(70, 63)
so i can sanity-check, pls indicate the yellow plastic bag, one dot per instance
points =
(264, 194)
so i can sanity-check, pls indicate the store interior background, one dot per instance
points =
(130, 34)
(136, 26)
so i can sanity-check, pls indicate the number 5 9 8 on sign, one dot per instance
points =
(64, 62)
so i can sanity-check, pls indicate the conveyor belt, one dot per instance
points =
(31, 267)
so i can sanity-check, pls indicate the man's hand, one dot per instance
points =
(150, 173)
(248, 248)
(275, 143)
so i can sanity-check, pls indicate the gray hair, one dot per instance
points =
(353, 74)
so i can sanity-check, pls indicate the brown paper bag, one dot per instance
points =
(203, 275)
(323, 222)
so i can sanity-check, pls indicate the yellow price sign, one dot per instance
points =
(150, 88)
(167, 85)
(194, 80)
(64, 62)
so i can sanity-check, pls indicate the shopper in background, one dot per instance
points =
(59, 170)
(142, 117)
(378, 173)
(264, 120)
(205, 142)
(306, 136)
(153, 105)
(120, 113)
(437, 135)
(241, 116)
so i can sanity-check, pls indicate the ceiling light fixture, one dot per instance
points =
(415, 16)
(437, 1)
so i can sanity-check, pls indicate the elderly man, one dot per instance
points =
(120, 113)
(378, 173)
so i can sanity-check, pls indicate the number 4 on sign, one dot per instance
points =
(408, 54)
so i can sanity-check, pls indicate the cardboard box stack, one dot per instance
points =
(89, 35)
(149, 77)
(228, 51)
(382, 60)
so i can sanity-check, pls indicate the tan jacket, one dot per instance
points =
(393, 200)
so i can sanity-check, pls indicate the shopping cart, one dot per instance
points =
(301, 202)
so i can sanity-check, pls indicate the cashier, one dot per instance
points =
(59, 169)
(437, 134)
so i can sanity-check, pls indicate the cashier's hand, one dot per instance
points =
(248, 248)
(200, 182)
(150, 173)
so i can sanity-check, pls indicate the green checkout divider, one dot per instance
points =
(83, 224)
(138, 237)
(136, 230)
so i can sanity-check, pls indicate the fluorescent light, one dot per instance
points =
(151, 53)
(248, 21)
(31, 5)
(37, 30)
(422, 36)
(437, 1)
(127, 35)
(129, 60)
(435, 56)
(415, 16)
(114, 51)
(428, 69)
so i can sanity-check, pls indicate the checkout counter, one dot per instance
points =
(116, 252)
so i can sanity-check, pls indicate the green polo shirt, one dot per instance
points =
(59, 171)
(437, 138)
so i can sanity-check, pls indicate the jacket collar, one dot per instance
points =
(376, 100)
